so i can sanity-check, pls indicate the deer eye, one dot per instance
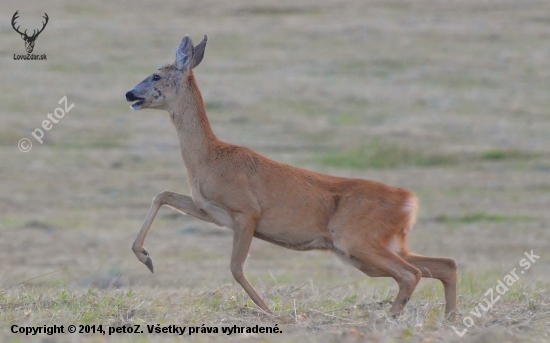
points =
(156, 77)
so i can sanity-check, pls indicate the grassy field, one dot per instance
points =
(448, 99)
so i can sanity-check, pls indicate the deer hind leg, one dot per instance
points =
(379, 262)
(443, 269)
(180, 202)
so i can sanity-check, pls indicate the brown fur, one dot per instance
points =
(364, 222)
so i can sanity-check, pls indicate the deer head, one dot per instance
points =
(162, 87)
(29, 41)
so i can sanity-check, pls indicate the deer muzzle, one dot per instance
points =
(132, 97)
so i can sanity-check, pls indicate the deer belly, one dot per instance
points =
(296, 238)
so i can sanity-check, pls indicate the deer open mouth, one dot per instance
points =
(137, 105)
(138, 101)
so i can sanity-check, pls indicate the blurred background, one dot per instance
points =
(447, 99)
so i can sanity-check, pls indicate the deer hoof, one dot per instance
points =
(149, 264)
(143, 256)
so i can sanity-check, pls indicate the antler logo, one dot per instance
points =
(29, 40)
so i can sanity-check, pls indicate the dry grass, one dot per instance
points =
(448, 99)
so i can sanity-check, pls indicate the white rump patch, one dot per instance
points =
(411, 206)
(393, 245)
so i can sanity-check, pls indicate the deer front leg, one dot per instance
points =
(242, 237)
(180, 202)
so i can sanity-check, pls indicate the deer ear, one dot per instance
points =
(184, 53)
(199, 52)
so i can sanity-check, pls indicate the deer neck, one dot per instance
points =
(195, 134)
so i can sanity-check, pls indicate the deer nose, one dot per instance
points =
(130, 96)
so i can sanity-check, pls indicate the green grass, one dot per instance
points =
(378, 155)
(9, 221)
(105, 140)
(381, 155)
(315, 309)
(277, 10)
(498, 155)
(482, 217)
(214, 105)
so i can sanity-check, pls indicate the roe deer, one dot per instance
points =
(364, 222)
